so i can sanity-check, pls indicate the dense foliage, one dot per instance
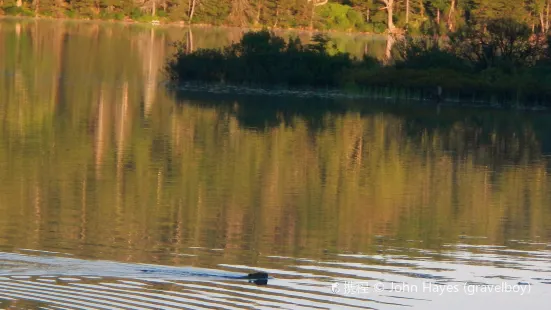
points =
(263, 58)
(498, 62)
(414, 16)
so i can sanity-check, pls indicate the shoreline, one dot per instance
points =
(182, 24)
(217, 89)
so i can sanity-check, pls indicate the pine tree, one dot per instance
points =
(365, 7)
(242, 13)
(48, 7)
(214, 12)
(87, 8)
(491, 9)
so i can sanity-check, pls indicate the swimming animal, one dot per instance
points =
(259, 278)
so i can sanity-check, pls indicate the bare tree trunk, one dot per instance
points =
(407, 12)
(153, 7)
(367, 15)
(422, 8)
(388, 50)
(192, 11)
(542, 22)
(438, 16)
(450, 16)
(390, 12)
(312, 18)
(547, 19)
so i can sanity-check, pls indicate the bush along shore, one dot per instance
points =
(497, 63)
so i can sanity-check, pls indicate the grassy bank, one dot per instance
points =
(499, 62)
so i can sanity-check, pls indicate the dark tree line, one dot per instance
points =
(414, 16)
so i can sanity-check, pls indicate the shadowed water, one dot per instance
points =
(116, 193)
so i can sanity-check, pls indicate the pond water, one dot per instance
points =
(116, 193)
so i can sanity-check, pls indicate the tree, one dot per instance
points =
(439, 6)
(182, 9)
(46, 6)
(364, 7)
(389, 7)
(503, 43)
(451, 15)
(242, 13)
(407, 12)
(214, 12)
(85, 7)
(492, 9)
(315, 3)
(540, 10)
(152, 5)
(428, 16)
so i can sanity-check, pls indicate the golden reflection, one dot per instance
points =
(96, 158)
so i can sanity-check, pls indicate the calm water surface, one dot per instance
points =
(348, 205)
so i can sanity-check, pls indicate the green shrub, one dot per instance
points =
(379, 27)
(336, 16)
(104, 15)
(502, 43)
(263, 58)
(136, 14)
(162, 13)
(425, 53)
(12, 10)
(16, 11)
(27, 12)
(355, 18)
(366, 28)
(146, 18)
(70, 13)
(118, 16)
